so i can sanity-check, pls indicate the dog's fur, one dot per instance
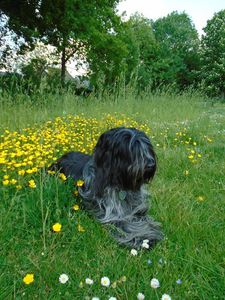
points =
(114, 177)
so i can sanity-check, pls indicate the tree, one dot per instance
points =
(142, 47)
(178, 50)
(213, 56)
(69, 25)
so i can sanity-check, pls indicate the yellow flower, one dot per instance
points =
(18, 187)
(190, 156)
(76, 207)
(51, 172)
(80, 228)
(21, 172)
(28, 279)
(57, 227)
(62, 176)
(200, 198)
(80, 183)
(76, 193)
(5, 182)
(186, 172)
(6, 176)
(32, 184)
(13, 181)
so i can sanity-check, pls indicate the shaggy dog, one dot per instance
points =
(123, 161)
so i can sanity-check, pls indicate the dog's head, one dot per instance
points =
(124, 158)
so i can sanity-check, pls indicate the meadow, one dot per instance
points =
(45, 233)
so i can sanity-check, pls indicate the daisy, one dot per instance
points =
(89, 281)
(140, 296)
(166, 297)
(105, 281)
(133, 252)
(155, 283)
(63, 278)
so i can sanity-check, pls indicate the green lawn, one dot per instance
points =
(188, 198)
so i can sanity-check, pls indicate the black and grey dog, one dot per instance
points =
(114, 177)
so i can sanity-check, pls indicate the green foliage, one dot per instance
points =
(142, 47)
(178, 45)
(213, 56)
(72, 26)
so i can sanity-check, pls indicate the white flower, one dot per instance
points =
(140, 296)
(95, 298)
(63, 278)
(146, 241)
(166, 297)
(105, 281)
(89, 281)
(112, 298)
(155, 283)
(145, 245)
(133, 252)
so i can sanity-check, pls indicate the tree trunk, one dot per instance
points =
(63, 66)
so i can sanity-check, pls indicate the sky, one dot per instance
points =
(199, 10)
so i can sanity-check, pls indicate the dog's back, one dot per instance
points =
(71, 164)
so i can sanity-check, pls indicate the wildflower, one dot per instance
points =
(149, 262)
(165, 297)
(105, 281)
(18, 187)
(89, 281)
(200, 198)
(21, 172)
(81, 285)
(80, 183)
(76, 207)
(123, 279)
(76, 193)
(145, 244)
(186, 172)
(13, 181)
(28, 279)
(57, 227)
(63, 278)
(133, 252)
(140, 296)
(5, 182)
(32, 184)
(6, 177)
(179, 281)
(112, 298)
(155, 283)
(95, 298)
(51, 172)
(80, 228)
(62, 176)
(114, 285)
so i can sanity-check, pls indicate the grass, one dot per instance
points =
(187, 198)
